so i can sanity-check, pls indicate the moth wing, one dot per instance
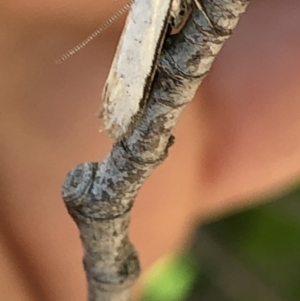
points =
(133, 65)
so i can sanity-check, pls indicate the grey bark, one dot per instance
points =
(99, 196)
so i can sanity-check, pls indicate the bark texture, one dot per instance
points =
(99, 196)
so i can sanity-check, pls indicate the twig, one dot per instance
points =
(99, 196)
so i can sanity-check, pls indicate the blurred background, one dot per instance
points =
(249, 255)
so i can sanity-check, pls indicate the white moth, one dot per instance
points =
(131, 74)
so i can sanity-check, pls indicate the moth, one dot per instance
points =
(130, 78)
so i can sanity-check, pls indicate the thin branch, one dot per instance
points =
(99, 196)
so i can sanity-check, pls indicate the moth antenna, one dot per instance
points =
(94, 34)
(198, 4)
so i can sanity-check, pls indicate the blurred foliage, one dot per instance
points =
(171, 278)
(248, 256)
